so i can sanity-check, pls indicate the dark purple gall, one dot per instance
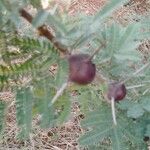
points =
(81, 69)
(117, 91)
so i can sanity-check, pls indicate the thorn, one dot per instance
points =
(113, 111)
(137, 72)
(135, 86)
(59, 93)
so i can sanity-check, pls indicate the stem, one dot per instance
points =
(113, 111)
(43, 31)
(59, 92)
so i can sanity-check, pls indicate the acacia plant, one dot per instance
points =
(94, 55)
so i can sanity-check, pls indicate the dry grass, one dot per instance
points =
(58, 138)
(65, 137)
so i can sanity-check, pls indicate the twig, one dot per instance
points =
(43, 31)
(113, 110)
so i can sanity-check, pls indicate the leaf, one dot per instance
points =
(128, 35)
(125, 104)
(63, 105)
(146, 103)
(117, 139)
(121, 43)
(2, 115)
(36, 3)
(148, 131)
(50, 114)
(112, 37)
(24, 102)
(109, 8)
(62, 73)
(101, 128)
(95, 136)
(43, 93)
(27, 44)
(127, 56)
(93, 120)
(89, 100)
(135, 111)
(35, 57)
(2, 7)
(127, 44)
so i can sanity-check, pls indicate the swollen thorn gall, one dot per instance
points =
(81, 69)
(116, 90)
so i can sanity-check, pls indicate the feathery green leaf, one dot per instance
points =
(2, 115)
(24, 103)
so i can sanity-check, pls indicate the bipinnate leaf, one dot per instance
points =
(2, 115)
(148, 131)
(135, 111)
(62, 73)
(101, 128)
(109, 8)
(43, 93)
(63, 104)
(35, 3)
(123, 42)
(125, 104)
(54, 114)
(24, 103)
(145, 103)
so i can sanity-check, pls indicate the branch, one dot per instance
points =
(43, 31)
